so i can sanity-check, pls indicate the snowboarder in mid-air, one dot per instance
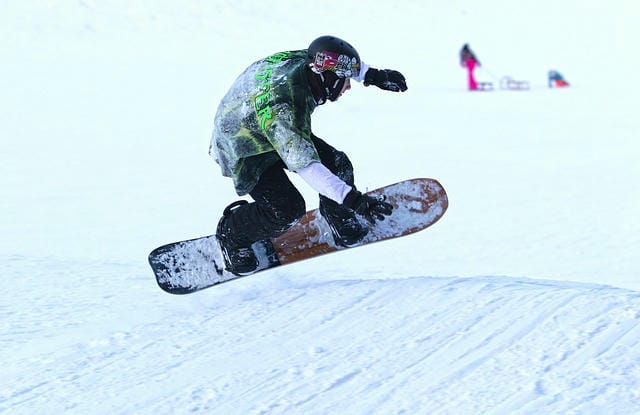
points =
(263, 127)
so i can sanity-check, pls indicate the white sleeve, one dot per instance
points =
(324, 182)
(363, 71)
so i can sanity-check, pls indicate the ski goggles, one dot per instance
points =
(343, 66)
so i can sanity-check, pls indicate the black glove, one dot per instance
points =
(386, 79)
(372, 208)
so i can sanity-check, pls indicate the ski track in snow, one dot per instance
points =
(276, 345)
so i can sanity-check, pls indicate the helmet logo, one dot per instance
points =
(344, 66)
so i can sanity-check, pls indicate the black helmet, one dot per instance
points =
(329, 53)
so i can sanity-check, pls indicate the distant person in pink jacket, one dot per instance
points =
(468, 60)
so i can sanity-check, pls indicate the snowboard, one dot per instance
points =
(192, 265)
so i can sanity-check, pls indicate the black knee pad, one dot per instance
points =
(343, 167)
(335, 160)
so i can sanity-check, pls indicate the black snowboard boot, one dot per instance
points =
(346, 228)
(239, 257)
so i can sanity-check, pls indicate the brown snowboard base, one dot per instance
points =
(192, 265)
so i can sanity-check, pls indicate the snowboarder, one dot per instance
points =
(263, 127)
(468, 60)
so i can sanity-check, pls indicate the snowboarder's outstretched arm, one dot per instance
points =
(386, 79)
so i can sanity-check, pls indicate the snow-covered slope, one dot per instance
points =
(318, 344)
(522, 299)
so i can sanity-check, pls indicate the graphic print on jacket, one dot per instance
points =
(265, 117)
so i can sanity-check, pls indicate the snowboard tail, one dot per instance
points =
(188, 266)
(192, 265)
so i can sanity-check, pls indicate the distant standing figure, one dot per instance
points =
(468, 60)
(556, 80)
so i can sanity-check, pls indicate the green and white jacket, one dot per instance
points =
(265, 117)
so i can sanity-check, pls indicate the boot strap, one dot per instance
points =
(237, 203)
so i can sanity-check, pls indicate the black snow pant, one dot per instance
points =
(278, 205)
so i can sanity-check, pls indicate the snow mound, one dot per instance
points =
(281, 345)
